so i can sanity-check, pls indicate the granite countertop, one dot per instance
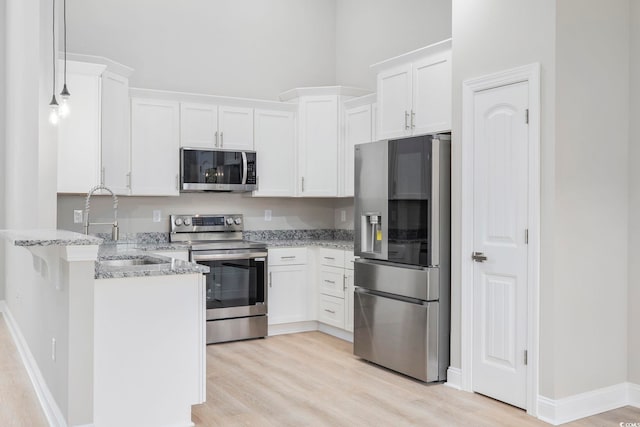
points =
(49, 238)
(161, 266)
(334, 244)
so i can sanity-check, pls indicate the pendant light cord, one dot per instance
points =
(53, 50)
(64, 19)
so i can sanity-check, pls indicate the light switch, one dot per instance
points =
(156, 215)
(343, 215)
(77, 216)
(267, 214)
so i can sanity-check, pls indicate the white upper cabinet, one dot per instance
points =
(236, 128)
(275, 146)
(211, 126)
(414, 92)
(320, 154)
(155, 147)
(358, 129)
(318, 146)
(93, 140)
(198, 125)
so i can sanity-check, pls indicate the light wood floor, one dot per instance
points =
(313, 379)
(19, 405)
(309, 379)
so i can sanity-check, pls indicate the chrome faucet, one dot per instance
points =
(115, 231)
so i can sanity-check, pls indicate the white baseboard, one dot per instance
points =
(567, 409)
(336, 332)
(49, 406)
(454, 378)
(293, 328)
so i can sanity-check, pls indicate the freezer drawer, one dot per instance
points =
(421, 283)
(397, 334)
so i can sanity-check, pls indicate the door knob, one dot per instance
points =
(478, 257)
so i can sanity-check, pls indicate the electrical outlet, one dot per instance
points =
(343, 215)
(77, 216)
(53, 349)
(156, 215)
(267, 214)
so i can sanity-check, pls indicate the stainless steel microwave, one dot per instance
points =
(217, 170)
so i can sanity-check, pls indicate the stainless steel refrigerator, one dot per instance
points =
(402, 236)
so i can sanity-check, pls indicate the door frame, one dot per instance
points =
(531, 74)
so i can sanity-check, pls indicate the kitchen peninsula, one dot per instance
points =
(109, 335)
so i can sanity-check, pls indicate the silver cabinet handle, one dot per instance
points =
(270, 279)
(330, 281)
(413, 116)
(303, 184)
(221, 139)
(329, 311)
(129, 180)
(288, 257)
(406, 119)
(102, 176)
(478, 257)
(344, 283)
(216, 137)
(178, 182)
(329, 257)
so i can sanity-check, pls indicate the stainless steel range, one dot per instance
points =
(237, 283)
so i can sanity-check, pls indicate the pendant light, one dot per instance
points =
(64, 104)
(53, 105)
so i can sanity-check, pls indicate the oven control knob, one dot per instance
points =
(187, 221)
(178, 222)
(229, 221)
(238, 221)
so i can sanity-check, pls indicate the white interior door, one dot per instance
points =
(500, 215)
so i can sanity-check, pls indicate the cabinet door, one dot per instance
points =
(276, 153)
(432, 94)
(288, 294)
(154, 147)
(318, 156)
(357, 131)
(198, 125)
(79, 135)
(116, 142)
(394, 102)
(236, 128)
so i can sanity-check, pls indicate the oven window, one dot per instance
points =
(234, 283)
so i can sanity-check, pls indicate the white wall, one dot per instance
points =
(490, 36)
(3, 28)
(634, 198)
(244, 48)
(591, 206)
(369, 31)
(135, 213)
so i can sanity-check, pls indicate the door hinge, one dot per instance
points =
(526, 236)
(526, 357)
(526, 116)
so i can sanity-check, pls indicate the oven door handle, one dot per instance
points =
(217, 257)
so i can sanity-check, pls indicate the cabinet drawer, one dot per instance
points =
(331, 311)
(287, 256)
(332, 281)
(332, 257)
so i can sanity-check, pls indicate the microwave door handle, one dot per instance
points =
(244, 168)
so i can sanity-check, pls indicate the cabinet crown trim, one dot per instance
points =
(110, 65)
(432, 49)
(323, 90)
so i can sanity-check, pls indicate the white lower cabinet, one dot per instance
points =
(335, 288)
(289, 295)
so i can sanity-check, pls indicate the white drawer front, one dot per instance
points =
(287, 256)
(332, 281)
(331, 311)
(332, 257)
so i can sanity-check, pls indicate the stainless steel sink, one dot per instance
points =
(133, 262)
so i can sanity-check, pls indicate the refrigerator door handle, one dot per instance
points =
(390, 296)
(435, 202)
